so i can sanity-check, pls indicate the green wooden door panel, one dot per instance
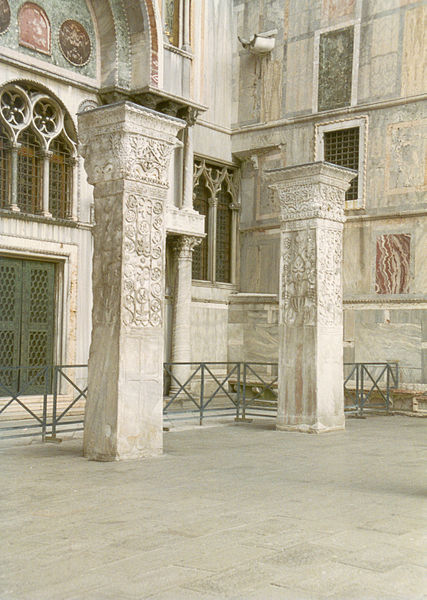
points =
(10, 320)
(37, 325)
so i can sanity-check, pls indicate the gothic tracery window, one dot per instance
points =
(171, 20)
(215, 196)
(37, 154)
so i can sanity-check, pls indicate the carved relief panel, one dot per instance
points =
(299, 277)
(143, 244)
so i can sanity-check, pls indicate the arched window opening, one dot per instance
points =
(4, 168)
(200, 252)
(171, 20)
(29, 173)
(60, 179)
(223, 236)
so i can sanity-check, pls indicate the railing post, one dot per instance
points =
(55, 401)
(44, 417)
(388, 387)
(238, 392)
(202, 390)
(244, 393)
(361, 392)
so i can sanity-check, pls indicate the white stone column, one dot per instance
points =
(127, 150)
(13, 206)
(46, 176)
(310, 394)
(186, 26)
(183, 247)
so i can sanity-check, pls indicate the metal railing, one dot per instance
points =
(367, 386)
(201, 390)
(39, 400)
(197, 390)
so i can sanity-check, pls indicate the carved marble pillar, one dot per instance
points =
(310, 328)
(127, 150)
(183, 247)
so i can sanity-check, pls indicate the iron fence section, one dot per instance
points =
(205, 386)
(208, 389)
(367, 386)
(45, 411)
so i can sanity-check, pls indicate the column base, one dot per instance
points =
(315, 428)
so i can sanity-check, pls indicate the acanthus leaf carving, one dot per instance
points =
(308, 201)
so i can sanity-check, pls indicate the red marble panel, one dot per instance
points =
(34, 28)
(393, 263)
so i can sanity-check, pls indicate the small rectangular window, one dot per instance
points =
(341, 147)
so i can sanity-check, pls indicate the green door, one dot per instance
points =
(27, 300)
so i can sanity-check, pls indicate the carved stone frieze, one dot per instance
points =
(309, 201)
(143, 234)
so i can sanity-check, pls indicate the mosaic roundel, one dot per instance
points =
(74, 42)
(4, 15)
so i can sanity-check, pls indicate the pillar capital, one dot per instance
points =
(311, 191)
(183, 245)
(127, 141)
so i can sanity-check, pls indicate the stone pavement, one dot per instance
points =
(238, 511)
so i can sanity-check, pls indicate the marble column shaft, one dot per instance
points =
(183, 246)
(127, 150)
(310, 393)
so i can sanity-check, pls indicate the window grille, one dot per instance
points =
(29, 173)
(4, 169)
(223, 237)
(60, 179)
(200, 252)
(342, 148)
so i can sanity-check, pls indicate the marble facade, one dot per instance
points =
(248, 114)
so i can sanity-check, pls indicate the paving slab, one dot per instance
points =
(232, 511)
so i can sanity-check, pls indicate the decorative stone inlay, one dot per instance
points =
(34, 28)
(143, 262)
(393, 264)
(4, 15)
(74, 42)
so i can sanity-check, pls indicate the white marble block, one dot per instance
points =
(127, 150)
(310, 393)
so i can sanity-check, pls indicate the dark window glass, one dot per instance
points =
(4, 168)
(200, 252)
(223, 237)
(29, 173)
(60, 179)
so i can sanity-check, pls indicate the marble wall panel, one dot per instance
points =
(414, 59)
(392, 274)
(335, 68)
(406, 156)
(209, 332)
(335, 10)
(380, 342)
(299, 76)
